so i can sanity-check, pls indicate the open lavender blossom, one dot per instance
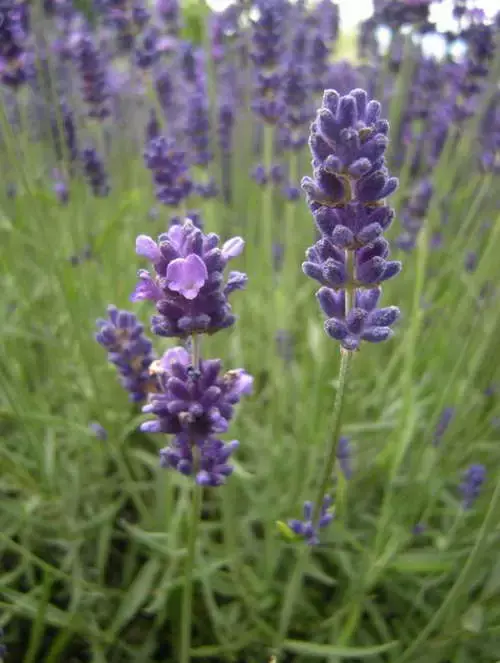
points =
(188, 283)
(129, 350)
(306, 528)
(195, 404)
(347, 196)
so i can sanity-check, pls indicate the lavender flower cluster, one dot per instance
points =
(268, 45)
(188, 287)
(95, 89)
(195, 404)
(309, 529)
(347, 198)
(472, 482)
(15, 61)
(190, 397)
(170, 171)
(129, 350)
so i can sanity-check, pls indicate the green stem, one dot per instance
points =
(408, 417)
(295, 583)
(407, 426)
(195, 350)
(292, 264)
(267, 201)
(193, 523)
(331, 452)
(187, 596)
(447, 541)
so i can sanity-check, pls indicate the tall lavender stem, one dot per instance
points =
(347, 198)
(267, 200)
(193, 524)
(187, 595)
(295, 584)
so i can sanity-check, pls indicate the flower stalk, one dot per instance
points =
(294, 586)
(187, 593)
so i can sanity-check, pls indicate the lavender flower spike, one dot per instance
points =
(344, 457)
(3, 648)
(347, 196)
(188, 285)
(129, 350)
(305, 528)
(195, 405)
(16, 64)
(268, 44)
(472, 481)
(95, 85)
(444, 421)
(95, 172)
(170, 172)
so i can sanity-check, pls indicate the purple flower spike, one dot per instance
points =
(95, 84)
(306, 528)
(16, 64)
(414, 213)
(347, 198)
(472, 481)
(442, 425)
(129, 350)
(95, 172)
(344, 456)
(170, 172)
(187, 275)
(268, 43)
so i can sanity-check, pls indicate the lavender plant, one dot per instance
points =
(347, 196)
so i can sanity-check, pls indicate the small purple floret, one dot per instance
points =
(306, 528)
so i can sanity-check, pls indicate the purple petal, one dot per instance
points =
(146, 289)
(177, 355)
(336, 329)
(244, 382)
(233, 247)
(187, 275)
(176, 235)
(377, 334)
(331, 302)
(151, 427)
(145, 246)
